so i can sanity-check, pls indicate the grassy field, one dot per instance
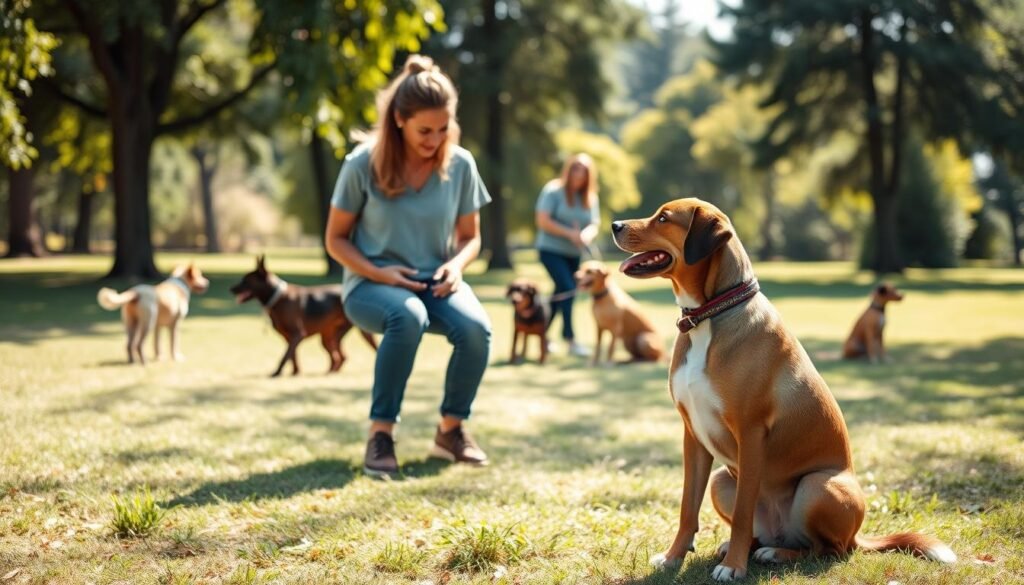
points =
(261, 481)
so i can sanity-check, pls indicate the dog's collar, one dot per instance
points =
(601, 295)
(877, 307)
(723, 302)
(279, 287)
(180, 283)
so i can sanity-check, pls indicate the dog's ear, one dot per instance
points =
(707, 233)
(260, 264)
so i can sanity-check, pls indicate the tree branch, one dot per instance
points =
(196, 12)
(91, 109)
(97, 46)
(188, 121)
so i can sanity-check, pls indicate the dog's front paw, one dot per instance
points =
(768, 554)
(725, 573)
(664, 562)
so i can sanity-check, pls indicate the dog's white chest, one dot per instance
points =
(692, 388)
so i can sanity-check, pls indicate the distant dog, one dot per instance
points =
(532, 316)
(296, 312)
(146, 307)
(616, 312)
(866, 337)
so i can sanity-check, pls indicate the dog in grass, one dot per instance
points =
(146, 308)
(531, 316)
(297, 312)
(866, 338)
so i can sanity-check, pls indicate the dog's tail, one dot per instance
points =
(915, 543)
(110, 299)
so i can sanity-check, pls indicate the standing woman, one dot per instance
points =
(567, 216)
(405, 222)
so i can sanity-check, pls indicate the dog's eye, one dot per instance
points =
(662, 218)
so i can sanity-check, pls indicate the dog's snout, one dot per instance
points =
(618, 226)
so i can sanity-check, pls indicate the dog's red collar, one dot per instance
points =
(723, 302)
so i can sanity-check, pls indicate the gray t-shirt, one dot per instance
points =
(414, 229)
(552, 201)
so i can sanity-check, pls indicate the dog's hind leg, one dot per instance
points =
(142, 328)
(131, 325)
(331, 340)
(369, 338)
(294, 337)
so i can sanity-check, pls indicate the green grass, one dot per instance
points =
(261, 477)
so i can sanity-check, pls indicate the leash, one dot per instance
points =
(733, 297)
(563, 295)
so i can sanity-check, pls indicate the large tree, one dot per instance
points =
(519, 67)
(24, 57)
(880, 68)
(139, 48)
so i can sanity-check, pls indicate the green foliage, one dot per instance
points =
(661, 139)
(136, 516)
(990, 239)
(24, 56)
(399, 557)
(615, 167)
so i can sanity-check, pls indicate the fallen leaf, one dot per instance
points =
(10, 574)
(985, 559)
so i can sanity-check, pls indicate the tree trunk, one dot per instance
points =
(768, 246)
(495, 143)
(133, 133)
(323, 194)
(1013, 214)
(886, 253)
(83, 223)
(24, 238)
(206, 171)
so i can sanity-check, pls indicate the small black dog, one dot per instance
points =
(532, 317)
(297, 312)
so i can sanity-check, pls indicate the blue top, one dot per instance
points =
(552, 201)
(414, 228)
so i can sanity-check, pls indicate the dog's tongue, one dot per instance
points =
(634, 261)
(242, 297)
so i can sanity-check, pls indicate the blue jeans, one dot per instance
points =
(403, 317)
(561, 268)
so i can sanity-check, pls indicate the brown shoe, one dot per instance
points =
(456, 445)
(380, 460)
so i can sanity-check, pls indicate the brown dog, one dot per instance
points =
(296, 312)
(617, 313)
(866, 337)
(532, 316)
(148, 307)
(750, 397)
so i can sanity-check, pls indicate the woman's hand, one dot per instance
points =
(588, 234)
(447, 280)
(398, 276)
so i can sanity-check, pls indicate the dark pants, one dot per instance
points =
(561, 268)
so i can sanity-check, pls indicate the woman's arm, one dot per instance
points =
(467, 248)
(549, 225)
(337, 239)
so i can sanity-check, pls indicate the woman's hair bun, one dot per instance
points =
(418, 64)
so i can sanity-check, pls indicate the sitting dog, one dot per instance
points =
(866, 337)
(750, 397)
(146, 307)
(616, 312)
(296, 312)
(532, 316)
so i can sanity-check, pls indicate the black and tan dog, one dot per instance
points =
(750, 397)
(146, 308)
(532, 316)
(866, 337)
(297, 312)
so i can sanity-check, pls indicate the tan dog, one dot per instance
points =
(616, 312)
(866, 337)
(147, 307)
(750, 397)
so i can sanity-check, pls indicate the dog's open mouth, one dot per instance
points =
(645, 263)
(243, 296)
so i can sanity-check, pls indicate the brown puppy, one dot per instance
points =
(750, 397)
(866, 337)
(296, 312)
(532, 316)
(616, 312)
(147, 307)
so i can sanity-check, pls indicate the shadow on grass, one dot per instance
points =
(697, 569)
(282, 484)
